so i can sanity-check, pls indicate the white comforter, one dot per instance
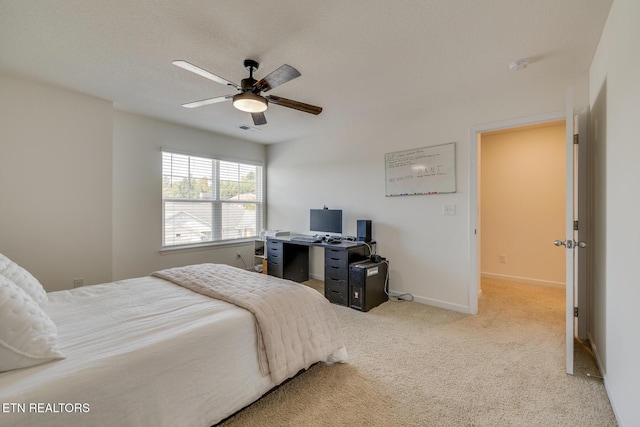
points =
(296, 325)
(141, 352)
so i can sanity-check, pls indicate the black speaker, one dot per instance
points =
(364, 230)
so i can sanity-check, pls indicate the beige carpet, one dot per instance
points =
(416, 365)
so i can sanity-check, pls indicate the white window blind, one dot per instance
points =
(209, 200)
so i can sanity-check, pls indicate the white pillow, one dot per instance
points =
(23, 279)
(28, 336)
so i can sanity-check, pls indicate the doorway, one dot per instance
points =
(577, 220)
(521, 201)
(475, 169)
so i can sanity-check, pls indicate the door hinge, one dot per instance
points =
(575, 311)
(575, 138)
(575, 225)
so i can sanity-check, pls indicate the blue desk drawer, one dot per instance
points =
(336, 291)
(338, 273)
(337, 257)
(274, 269)
(274, 256)
(274, 248)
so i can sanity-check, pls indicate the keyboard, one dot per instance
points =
(306, 239)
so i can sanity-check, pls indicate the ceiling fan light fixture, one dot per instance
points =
(250, 102)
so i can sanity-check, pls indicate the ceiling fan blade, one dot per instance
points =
(296, 105)
(277, 77)
(259, 119)
(204, 73)
(208, 101)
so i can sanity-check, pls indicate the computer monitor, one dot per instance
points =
(325, 221)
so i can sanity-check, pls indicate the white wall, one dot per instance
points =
(523, 203)
(137, 192)
(80, 186)
(615, 105)
(428, 252)
(55, 182)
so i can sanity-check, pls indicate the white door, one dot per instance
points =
(584, 215)
(570, 242)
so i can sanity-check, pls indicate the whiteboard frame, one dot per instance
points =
(427, 190)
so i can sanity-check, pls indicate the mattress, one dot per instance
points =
(139, 352)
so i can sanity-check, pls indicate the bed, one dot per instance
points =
(147, 351)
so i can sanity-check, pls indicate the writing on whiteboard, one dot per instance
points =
(427, 170)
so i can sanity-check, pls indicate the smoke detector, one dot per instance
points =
(519, 65)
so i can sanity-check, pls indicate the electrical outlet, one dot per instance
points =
(78, 282)
(503, 259)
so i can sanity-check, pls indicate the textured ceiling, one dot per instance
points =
(359, 59)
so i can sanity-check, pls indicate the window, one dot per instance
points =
(209, 200)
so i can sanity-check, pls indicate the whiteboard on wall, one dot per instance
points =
(427, 170)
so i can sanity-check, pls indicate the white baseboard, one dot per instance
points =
(523, 280)
(594, 348)
(436, 303)
(419, 299)
(596, 355)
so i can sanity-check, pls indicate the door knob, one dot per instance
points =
(567, 243)
(570, 243)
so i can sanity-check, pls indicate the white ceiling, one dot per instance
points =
(359, 59)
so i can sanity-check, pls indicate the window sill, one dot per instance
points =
(165, 250)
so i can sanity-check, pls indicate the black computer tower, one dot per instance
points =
(367, 282)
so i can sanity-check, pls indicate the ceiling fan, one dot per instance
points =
(249, 98)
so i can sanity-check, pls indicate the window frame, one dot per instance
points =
(216, 202)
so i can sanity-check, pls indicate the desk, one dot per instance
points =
(289, 259)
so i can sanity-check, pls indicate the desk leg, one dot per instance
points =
(296, 262)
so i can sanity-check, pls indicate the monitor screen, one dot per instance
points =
(325, 220)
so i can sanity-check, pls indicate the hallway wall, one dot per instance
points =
(522, 210)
